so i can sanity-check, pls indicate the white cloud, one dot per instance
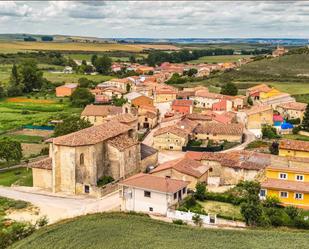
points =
(158, 18)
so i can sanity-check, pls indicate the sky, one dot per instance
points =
(158, 19)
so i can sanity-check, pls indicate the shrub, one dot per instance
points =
(41, 222)
(197, 220)
(271, 201)
(292, 212)
(269, 132)
(190, 201)
(296, 129)
(200, 193)
(278, 217)
(224, 197)
(105, 180)
(274, 148)
(44, 151)
(24, 112)
(179, 222)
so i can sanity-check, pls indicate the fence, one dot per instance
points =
(187, 216)
(202, 149)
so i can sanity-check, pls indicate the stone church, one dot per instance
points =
(78, 160)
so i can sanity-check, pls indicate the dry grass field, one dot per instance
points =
(16, 46)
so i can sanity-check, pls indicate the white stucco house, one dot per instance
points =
(151, 194)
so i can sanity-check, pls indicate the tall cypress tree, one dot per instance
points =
(305, 123)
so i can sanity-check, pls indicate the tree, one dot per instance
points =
(250, 101)
(119, 101)
(84, 82)
(229, 89)
(305, 123)
(15, 87)
(200, 192)
(10, 150)
(132, 59)
(81, 97)
(269, 132)
(128, 88)
(71, 124)
(30, 76)
(103, 64)
(2, 92)
(274, 148)
(191, 72)
(197, 220)
(93, 59)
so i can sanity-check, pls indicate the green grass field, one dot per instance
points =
(12, 116)
(219, 59)
(296, 137)
(115, 230)
(19, 176)
(73, 78)
(24, 138)
(222, 209)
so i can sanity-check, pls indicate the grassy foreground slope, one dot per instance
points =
(132, 231)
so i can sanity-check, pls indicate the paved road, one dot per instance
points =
(249, 137)
(57, 207)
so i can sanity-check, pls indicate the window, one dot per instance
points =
(298, 196)
(175, 196)
(184, 190)
(146, 119)
(284, 194)
(299, 177)
(81, 159)
(262, 193)
(147, 194)
(87, 189)
(168, 176)
(283, 176)
(150, 209)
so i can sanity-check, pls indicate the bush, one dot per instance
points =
(224, 197)
(200, 193)
(269, 132)
(197, 220)
(44, 151)
(296, 129)
(292, 212)
(105, 180)
(179, 222)
(271, 201)
(41, 222)
(24, 112)
(278, 217)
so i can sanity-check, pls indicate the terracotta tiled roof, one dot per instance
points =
(260, 88)
(45, 163)
(125, 118)
(206, 94)
(122, 142)
(72, 86)
(294, 145)
(92, 135)
(184, 165)
(172, 129)
(293, 106)
(237, 159)
(101, 110)
(182, 102)
(187, 124)
(221, 129)
(295, 186)
(155, 183)
(258, 109)
(209, 116)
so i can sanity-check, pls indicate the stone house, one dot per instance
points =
(294, 148)
(292, 110)
(258, 116)
(147, 117)
(99, 114)
(66, 90)
(163, 93)
(185, 169)
(170, 138)
(219, 132)
(151, 194)
(137, 99)
(184, 106)
(78, 160)
(229, 168)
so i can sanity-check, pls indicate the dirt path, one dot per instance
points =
(58, 207)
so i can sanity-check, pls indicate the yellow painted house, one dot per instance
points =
(294, 148)
(289, 182)
(258, 116)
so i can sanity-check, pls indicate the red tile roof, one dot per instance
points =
(182, 102)
(221, 129)
(155, 183)
(92, 135)
(294, 145)
(293, 106)
(295, 186)
(184, 165)
(172, 129)
(45, 163)
(101, 110)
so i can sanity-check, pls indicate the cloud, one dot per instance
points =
(157, 18)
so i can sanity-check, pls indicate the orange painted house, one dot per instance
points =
(65, 90)
(142, 101)
(183, 106)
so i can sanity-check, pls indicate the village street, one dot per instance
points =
(57, 207)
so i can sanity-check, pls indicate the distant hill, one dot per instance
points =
(294, 67)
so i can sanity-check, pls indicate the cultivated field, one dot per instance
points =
(114, 230)
(23, 112)
(16, 46)
(219, 59)
(73, 78)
